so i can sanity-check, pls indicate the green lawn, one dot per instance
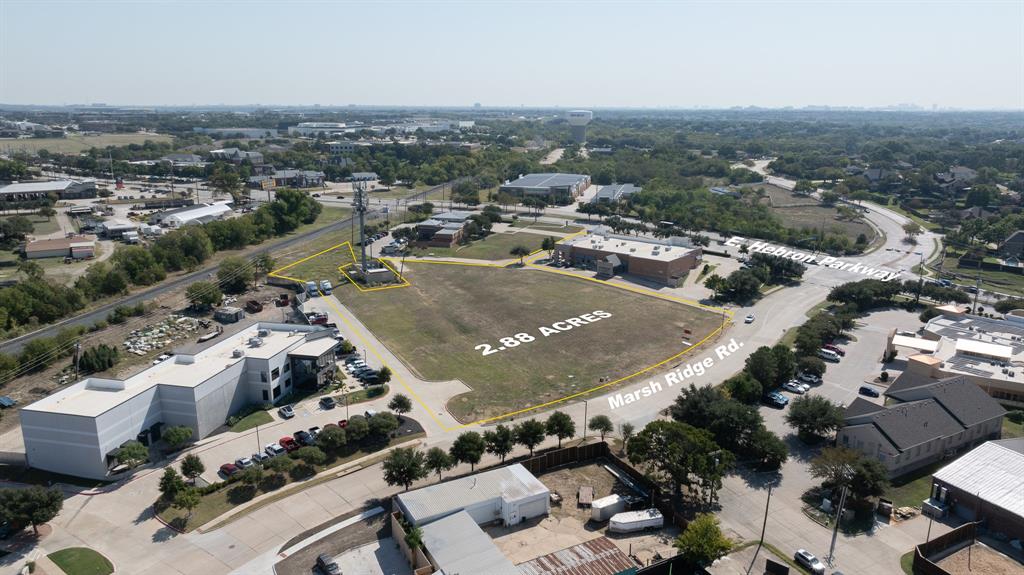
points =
(911, 490)
(362, 395)
(75, 143)
(81, 561)
(1005, 282)
(920, 221)
(544, 226)
(907, 562)
(40, 226)
(252, 420)
(439, 325)
(498, 246)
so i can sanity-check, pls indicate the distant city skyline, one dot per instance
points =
(911, 55)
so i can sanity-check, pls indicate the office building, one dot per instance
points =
(665, 261)
(551, 187)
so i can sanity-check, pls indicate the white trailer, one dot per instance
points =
(602, 509)
(632, 521)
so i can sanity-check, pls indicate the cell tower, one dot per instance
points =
(578, 120)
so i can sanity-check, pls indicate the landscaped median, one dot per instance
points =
(184, 508)
(81, 561)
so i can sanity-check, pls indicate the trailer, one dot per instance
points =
(253, 306)
(632, 521)
(602, 509)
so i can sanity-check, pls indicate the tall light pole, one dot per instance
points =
(847, 472)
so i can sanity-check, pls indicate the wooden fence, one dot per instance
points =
(948, 542)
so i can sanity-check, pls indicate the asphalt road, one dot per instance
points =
(85, 319)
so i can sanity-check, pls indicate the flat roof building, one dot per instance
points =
(986, 484)
(552, 187)
(988, 352)
(62, 189)
(665, 261)
(77, 430)
(508, 494)
(614, 193)
(456, 545)
(77, 247)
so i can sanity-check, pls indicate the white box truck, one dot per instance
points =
(602, 509)
(632, 521)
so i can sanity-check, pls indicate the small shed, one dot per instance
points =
(228, 314)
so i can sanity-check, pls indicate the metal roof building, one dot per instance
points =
(554, 186)
(456, 545)
(192, 214)
(509, 494)
(987, 483)
(595, 557)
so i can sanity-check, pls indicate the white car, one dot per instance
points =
(244, 462)
(809, 561)
(793, 387)
(749, 319)
(274, 449)
(809, 378)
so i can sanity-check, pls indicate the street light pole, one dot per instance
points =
(835, 529)
(585, 406)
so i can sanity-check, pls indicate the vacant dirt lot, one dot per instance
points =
(366, 531)
(984, 559)
(441, 324)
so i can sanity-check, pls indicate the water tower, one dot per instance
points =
(578, 120)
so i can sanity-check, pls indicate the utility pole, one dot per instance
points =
(835, 529)
(78, 355)
(920, 279)
(585, 406)
(764, 525)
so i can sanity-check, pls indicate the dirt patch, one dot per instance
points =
(983, 559)
(363, 532)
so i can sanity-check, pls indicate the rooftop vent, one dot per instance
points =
(237, 353)
(263, 332)
(255, 341)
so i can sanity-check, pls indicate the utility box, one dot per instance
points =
(228, 314)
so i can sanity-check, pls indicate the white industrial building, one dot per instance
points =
(78, 430)
(508, 494)
(316, 128)
(456, 544)
(200, 214)
(115, 228)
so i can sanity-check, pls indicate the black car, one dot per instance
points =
(327, 565)
(327, 402)
(304, 437)
(868, 391)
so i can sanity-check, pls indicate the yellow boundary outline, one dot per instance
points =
(642, 291)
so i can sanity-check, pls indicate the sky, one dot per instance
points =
(967, 55)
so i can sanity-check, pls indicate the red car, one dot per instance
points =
(288, 443)
(229, 469)
(834, 348)
(343, 423)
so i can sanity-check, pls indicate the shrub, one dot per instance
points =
(1016, 416)
(884, 376)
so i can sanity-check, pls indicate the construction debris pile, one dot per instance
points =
(162, 334)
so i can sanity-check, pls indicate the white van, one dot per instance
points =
(828, 355)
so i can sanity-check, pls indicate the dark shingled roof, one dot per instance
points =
(964, 400)
(914, 423)
(907, 380)
(861, 406)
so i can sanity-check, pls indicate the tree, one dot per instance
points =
(382, 424)
(31, 506)
(170, 484)
(520, 252)
(203, 295)
(601, 424)
(530, 434)
(226, 181)
(31, 270)
(468, 448)
(132, 453)
(187, 499)
(840, 467)
(548, 244)
(280, 465)
(744, 388)
(702, 542)
(47, 212)
(357, 428)
(400, 404)
(716, 284)
(438, 461)
(693, 405)
(770, 451)
(384, 375)
(177, 435)
(912, 229)
(785, 363)
(331, 438)
(626, 430)
(677, 455)
(192, 466)
(252, 476)
(762, 366)
(310, 455)
(403, 466)
(811, 365)
(814, 417)
(234, 274)
(264, 264)
(560, 425)
(500, 441)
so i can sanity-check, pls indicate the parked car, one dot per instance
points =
(314, 431)
(835, 348)
(776, 399)
(793, 387)
(810, 378)
(327, 402)
(868, 391)
(327, 565)
(325, 286)
(749, 319)
(229, 469)
(371, 379)
(274, 449)
(828, 355)
(288, 443)
(304, 438)
(370, 413)
(352, 359)
(286, 411)
(244, 463)
(260, 458)
(809, 561)
(343, 423)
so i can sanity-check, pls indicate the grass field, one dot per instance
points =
(75, 144)
(252, 420)
(1004, 282)
(814, 217)
(545, 227)
(1011, 429)
(439, 323)
(40, 226)
(493, 247)
(81, 561)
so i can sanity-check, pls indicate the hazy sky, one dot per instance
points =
(586, 54)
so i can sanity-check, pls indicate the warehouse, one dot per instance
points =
(78, 430)
(61, 189)
(552, 188)
(200, 214)
(456, 544)
(986, 484)
(115, 228)
(666, 262)
(507, 494)
(77, 247)
(615, 193)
